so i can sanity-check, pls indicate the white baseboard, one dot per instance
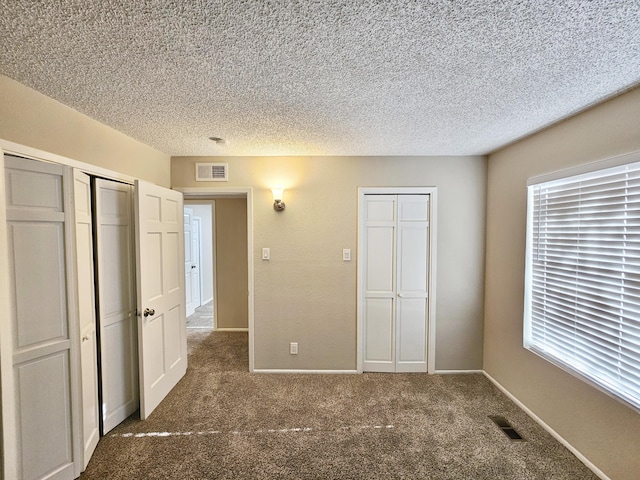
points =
(301, 371)
(231, 329)
(553, 433)
(456, 372)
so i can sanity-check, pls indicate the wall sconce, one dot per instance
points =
(278, 204)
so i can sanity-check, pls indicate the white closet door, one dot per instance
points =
(395, 272)
(188, 261)
(162, 331)
(43, 324)
(379, 283)
(116, 301)
(411, 308)
(86, 310)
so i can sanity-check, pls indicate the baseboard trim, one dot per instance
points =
(456, 372)
(231, 329)
(551, 431)
(302, 371)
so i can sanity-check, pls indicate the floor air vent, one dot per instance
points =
(506, 428)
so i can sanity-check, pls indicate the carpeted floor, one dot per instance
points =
(220, 422)
(202, 317)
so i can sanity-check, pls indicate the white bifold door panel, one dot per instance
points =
(40, 436)
(114, 237)
(395, 286)
(86, 315)
(162, 342)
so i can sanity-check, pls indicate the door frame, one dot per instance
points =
(202, 193)
(431, 276)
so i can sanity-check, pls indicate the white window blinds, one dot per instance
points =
(582, 306)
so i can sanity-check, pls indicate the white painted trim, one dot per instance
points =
(11, 148)
(73, 321)
(457, 372)
(304, 372)
(609, 162)
(230, 329)
(7, 386)
(551, 431)
(195, 192)
(433, 236)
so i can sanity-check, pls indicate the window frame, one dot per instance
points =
(588, 168)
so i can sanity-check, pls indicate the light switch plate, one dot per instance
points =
(346, 254)
(266, 253)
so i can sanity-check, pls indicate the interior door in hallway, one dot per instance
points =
(395, 282)
(195, 257)
(162, 332)
(116, 301)
(191, 260)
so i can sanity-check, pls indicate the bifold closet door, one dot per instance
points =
(86, 314)
(44, 421)
(395, 272)
(114, 230)
(411, 283)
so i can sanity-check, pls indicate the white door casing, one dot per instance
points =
(396, 272)
(116, 301)
(196, 193)
(44, 426)
(162, 345)
(86, 314)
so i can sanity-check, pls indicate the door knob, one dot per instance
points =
(149, 312)
(193, 266)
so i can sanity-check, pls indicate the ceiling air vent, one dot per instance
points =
(212, 172)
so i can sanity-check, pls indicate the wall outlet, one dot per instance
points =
(293, 348)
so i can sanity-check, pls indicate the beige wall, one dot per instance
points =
(231, 263)
(34, 120)
(602, 429)
(307, 294)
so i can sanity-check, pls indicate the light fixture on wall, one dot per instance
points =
(278, 204)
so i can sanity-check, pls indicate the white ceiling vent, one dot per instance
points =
(212, 172)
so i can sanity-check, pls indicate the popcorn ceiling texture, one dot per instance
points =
(333, 77)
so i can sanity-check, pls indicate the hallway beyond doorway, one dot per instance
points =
(202, 318)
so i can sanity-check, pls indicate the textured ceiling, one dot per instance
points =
(333, 77)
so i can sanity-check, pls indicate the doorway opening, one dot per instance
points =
(231, 260)
(199, 248)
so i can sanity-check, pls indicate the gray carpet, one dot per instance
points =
(202, 317)
(220, 422)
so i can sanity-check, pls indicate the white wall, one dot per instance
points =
(604, 430)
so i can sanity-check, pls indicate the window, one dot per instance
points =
(582, 305)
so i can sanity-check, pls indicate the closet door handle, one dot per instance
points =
(149, 312)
